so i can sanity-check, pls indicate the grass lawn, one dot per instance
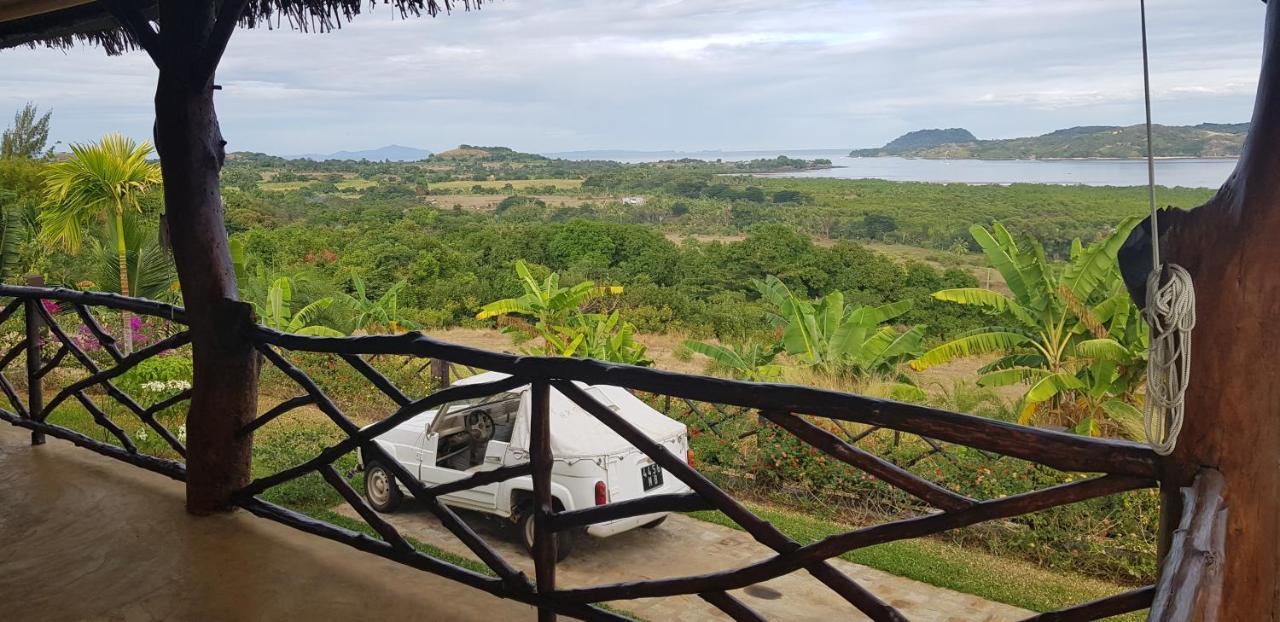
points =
(1005, 580)
(518, 184)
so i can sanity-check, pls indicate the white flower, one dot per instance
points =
(165, 386)
(182, 433)
(141, 434)
(155, 386)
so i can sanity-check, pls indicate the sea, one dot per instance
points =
(1185, 172)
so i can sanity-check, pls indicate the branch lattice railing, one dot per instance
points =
(1116, 466)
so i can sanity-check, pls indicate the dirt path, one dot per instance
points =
(684, 546)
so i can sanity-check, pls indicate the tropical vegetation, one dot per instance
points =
(870, 286)
(99, 182)
(1071, 334)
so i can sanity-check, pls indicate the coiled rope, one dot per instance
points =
(1170, 313)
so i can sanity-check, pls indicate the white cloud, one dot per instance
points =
(647, 74)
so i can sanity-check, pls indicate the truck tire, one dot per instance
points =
(380, 488)
(564, 539)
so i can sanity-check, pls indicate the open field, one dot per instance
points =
(662, 348)
(516, 184)
(487, 202)
(283, 186)
(355, 184)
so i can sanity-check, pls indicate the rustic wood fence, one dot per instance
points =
(1186, 580)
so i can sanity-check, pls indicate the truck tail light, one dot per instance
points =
(602, 493)
(688, 457)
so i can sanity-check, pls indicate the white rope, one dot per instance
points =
(1170, 313)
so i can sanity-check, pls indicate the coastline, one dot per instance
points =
(1088, 159)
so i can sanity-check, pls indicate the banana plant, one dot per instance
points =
(608, 338)
(278, 312)
(377, 316)
(751, 361)
(833, 337)
(1068, 335)
(556, 314)
(545, 310)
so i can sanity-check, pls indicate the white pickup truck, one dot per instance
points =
(592, 464)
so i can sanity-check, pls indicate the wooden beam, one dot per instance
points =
(1189, 577)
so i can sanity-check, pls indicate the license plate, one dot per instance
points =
(650, 476)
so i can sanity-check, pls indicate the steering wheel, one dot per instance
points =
(479, 426)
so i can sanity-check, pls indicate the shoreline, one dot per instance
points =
(1088, 159)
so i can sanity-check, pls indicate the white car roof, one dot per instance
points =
(576, 433)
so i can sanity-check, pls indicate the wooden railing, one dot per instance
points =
(1115, 466)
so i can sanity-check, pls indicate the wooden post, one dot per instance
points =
(192, 37)
(440, 371)
(1233, 404)
(35, 395)
(544, 540)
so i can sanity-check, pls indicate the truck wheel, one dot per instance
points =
(380, 488)
(564, 539)
(653, 524)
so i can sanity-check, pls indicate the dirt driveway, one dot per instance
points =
(684, 546)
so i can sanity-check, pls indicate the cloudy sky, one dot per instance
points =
(557, 75)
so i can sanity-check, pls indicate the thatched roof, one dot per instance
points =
(62, 23)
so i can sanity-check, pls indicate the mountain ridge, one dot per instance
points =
(1206, 140)
(393, 153)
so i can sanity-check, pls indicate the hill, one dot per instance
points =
(926, 139)
(389, 153)
(486, 154)
(1207, 140)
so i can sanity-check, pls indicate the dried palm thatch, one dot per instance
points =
(63, 23)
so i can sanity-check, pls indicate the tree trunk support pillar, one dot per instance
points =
(186, 49)
(1229, 245)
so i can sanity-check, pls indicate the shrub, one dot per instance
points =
(158, 378)
(1114, 537)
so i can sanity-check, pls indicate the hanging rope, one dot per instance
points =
(1170, 312)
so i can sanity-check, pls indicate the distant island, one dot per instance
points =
(1207, 140)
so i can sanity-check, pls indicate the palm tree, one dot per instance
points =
(151, 273)
(1071, 335)
(12, 235)
(102, 180)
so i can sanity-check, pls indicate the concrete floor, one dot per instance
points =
(684, 546)
(84, 537)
